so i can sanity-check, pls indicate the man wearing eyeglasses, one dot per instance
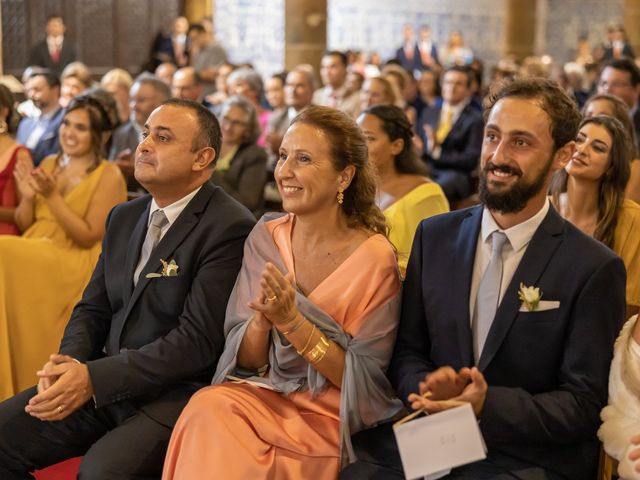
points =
(621, 78)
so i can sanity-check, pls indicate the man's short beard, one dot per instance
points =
(514, 199)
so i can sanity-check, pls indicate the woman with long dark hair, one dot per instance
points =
(590, 193)
(612, 106)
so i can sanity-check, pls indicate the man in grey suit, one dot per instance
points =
(149, 328)
(145, 95)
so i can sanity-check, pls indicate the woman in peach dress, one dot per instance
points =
(303, 366)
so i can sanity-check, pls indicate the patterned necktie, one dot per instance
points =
(158, 221)
(55, 54)
(488, 295)
(444, 128)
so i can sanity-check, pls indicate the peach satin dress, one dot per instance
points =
(241, 431)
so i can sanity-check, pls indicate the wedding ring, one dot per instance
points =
(60, 409)
(272, 299)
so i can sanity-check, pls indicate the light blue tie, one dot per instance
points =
(488, 295)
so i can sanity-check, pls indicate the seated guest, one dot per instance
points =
(405, 195)
(165, 72)
(620, 430)
(118, 82)
(298, 93)
(274, 92)
(39, 133)
(452, 135)
(242, 168)
(62, 211)
(313, 312)
(145, 336)
(336, 93)
(429, 88)
(75, 79)
(248, 83)
(205, 55)
(11, 152)
(612, 106)
(187, 85)
(146, 94)
(589, 192)
(377, 91)
(532, 365)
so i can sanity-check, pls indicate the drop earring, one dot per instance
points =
(340, 197)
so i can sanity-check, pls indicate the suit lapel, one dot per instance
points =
(133, 252)
(541, 249)
(174, 237)
(462, 271)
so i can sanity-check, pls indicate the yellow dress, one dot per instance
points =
(405, 214)
(42, 276)
(627, 245)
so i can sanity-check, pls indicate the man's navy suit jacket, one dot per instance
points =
(461, 147)
(547, 371)
(151, 346)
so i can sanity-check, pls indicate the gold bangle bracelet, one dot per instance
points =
(301, 352)
(318, 352)
(295, 327)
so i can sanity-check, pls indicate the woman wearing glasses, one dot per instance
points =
(241, 169)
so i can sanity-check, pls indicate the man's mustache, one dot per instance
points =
(490, 167)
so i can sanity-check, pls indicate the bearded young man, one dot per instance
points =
(535, 372)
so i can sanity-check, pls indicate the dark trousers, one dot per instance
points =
(116, 442)
(378, 459)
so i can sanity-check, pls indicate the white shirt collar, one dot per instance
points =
(174, 210)
(519, 235)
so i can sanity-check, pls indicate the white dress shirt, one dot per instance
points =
(172, 212)
(519, 237)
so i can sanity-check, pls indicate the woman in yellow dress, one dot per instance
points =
(62, 211)
(405, 195)
(315, 341)
(590, 193)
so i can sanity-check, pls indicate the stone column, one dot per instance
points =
(305, 32)
(632, 23)
(520, 28)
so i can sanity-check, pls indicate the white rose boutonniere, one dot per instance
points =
(169, 269)
(530, 297)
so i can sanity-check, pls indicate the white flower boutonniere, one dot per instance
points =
(169, 269)
(530, 297)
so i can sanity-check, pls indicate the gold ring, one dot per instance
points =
(60, 409)
(272, 299)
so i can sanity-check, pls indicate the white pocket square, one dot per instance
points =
(543, 305)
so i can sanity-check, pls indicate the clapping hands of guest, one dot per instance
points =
(23, 178)
(276, 302)
(44, 183)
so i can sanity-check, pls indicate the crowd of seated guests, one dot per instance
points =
(420, 119)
